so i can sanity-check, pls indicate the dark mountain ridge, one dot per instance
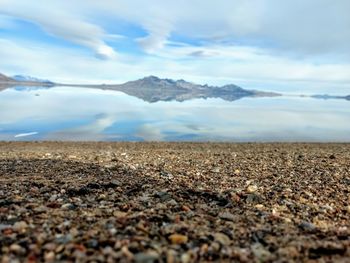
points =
(153, 89)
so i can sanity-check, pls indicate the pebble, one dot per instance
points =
(227, 216)
(252, 188)
(20, 226)
(307, 226)
(260, 252)
(222, 238)
(68, 206)
(17, 249)
(178, 239)
(216, 170)
(148, 257)
(49, 256)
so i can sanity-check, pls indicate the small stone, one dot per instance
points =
(126, 252)
(216, 170)
(59, 249)
(119, 214)
(171, 256)
(237, 172)
(185, 258)
(63, 239)
(307, 226)
(53, 198)
(148, 257)
(20, 226)
(92, 243)
(227, 216)
(172, 202)
(68, 206)
(113, 231)
(252, 188)
(166, 174)
(222, 238)
(260, 252)
(178, 239)
(101, 197)
(164, 196)
(49, 256)
(254, 198)
(186, 208)
(17, 249)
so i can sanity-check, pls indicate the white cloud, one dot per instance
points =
(307, 27)
(239, 65)
(58, 19)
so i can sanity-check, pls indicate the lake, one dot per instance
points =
(88, 114)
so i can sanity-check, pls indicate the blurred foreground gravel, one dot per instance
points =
(174, 202)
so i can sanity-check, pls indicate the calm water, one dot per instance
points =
(69, 113)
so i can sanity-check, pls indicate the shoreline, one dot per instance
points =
(174, 202)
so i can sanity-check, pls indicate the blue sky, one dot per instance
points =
(291, 45)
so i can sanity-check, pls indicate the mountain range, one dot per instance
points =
(153, 89)
(16, 80)
(29, 79)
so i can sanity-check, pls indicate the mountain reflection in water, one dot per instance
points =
(72, 113)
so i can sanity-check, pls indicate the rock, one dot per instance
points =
(92, 243)
(49, 256)
(254, 198)
(64, 239)
(148, 257)
(185, 258)
(172, 202)
(178, 239)
(185, 208)
(307, 226)
(166, 174)
(222, 238)
(68, 206)
(227, 216)
(260, 252)
(53, 198)
(113, 231)
(5, 227)
(252, 188)
(216, 170)
(126, 252)
(17, 249)
(164, 196)
(20, 226)
(119, 214)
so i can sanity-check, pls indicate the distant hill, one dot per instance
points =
(29, 79)
(327, 96)
(153, 89)
(6, 81)
(4, 78)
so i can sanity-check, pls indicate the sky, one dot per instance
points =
(291, 45)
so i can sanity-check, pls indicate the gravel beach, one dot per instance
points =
(174, 202)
